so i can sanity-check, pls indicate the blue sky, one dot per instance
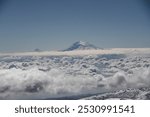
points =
(56, 24)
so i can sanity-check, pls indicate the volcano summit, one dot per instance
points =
(80, 45)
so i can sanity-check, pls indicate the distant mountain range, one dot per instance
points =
(80, 45)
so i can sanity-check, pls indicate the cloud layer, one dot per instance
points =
(36, 84)
(37, 77)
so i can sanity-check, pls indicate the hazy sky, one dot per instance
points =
(56, 24)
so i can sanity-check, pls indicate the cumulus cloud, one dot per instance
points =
(36, 84)
(33, 83)
(118, 80)
(122, 80)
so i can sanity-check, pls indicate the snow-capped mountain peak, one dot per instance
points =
(81, 45)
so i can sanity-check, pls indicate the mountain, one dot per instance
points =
(37, 50)
(80, 45)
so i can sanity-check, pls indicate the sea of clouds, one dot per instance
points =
(36, 84)
(52, 77)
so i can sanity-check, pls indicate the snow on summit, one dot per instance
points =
(81, 45)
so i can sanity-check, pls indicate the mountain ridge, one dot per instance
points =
(81, 45)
